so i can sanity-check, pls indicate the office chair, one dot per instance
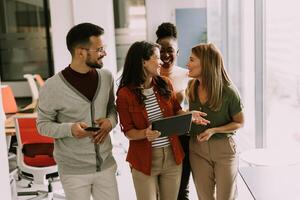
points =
(8, 100)
(34, 156)
(39, 80)
(9, 107)
(33, 87)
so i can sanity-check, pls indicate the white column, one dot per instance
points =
(4, 171)
(61, 21)
(99, 12)
(157, 12)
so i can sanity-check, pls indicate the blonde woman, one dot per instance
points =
(213, 155)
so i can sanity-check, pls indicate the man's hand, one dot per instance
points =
(78, 131)
(105, 128)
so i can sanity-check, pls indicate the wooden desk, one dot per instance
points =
(10, 131)
(272, 183)
(32, 105)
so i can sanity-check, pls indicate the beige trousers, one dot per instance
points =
(214, 167)
(165, 177)
(100, 185)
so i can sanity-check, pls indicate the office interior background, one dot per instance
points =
(259, 40)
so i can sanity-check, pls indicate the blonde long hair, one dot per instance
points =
(213, 75)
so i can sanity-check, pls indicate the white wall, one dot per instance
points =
(4, 172)
(65, 14)
(61, 21)
(159, 11)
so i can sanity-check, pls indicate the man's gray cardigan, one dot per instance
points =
(60, 105)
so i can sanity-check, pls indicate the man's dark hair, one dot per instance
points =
(80, 35)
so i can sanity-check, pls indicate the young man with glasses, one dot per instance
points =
(78, 97)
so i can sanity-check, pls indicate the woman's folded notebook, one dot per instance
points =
(175, 125)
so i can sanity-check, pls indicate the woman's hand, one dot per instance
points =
(198, 117)
(205, 136)
(151, 134)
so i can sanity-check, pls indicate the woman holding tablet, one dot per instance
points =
(142, 97)
(213, 153)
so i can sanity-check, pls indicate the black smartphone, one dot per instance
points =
(92, 129)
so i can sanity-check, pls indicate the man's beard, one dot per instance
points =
(94, 64)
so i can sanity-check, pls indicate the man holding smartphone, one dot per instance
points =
(77, 108)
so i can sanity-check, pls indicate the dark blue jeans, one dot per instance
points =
(186, 169)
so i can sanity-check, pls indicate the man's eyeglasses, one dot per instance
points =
(98, 50)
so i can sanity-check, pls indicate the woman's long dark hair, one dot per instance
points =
(134, 74)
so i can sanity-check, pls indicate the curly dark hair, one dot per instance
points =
(166, 29)
(134, 74)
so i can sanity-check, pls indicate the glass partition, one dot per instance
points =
(130, 26)
(24, 39)
(282, 74)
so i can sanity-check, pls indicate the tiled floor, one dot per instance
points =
(125, 184)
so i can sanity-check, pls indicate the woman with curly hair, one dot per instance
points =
(167, 37)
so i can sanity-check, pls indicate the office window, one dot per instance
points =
(130, 14)
(130, 26)
(24, 39)
(282, 73)
(230, 26)
(265, 69)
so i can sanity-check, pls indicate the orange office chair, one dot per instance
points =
(34, 155)
(8, 100)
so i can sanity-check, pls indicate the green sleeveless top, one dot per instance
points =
(231, 105)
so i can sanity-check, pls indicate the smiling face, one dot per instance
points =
(153, 65)
(95, 52)
(194, 66)
(168, 51)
